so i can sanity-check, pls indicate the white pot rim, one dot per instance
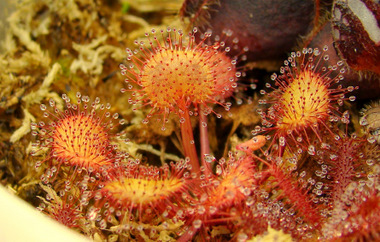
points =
(19, 221)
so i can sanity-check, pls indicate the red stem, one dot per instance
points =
(205, 144)
(188, 142)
